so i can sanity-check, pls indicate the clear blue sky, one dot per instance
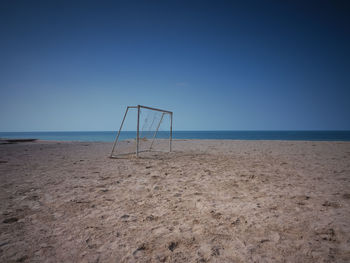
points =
(219, 65)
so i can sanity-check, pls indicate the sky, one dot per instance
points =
(218, 65)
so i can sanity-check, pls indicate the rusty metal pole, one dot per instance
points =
(171, 131)
(121, 125)
(137, 133)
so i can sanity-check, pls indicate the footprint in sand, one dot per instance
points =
(172, 246)
(331, 204)
(10, 220)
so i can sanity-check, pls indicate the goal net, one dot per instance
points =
(143, 129)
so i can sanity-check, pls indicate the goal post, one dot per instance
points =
(153, 131)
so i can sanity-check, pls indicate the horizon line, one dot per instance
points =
(252, 130)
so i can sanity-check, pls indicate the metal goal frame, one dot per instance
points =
(139, 107)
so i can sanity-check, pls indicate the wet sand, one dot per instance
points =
(208, 201)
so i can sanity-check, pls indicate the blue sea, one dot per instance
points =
(109, 136)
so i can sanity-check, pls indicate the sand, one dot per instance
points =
(208, 201)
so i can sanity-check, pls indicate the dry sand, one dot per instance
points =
(209, 201)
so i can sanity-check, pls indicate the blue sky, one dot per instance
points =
(219, 65)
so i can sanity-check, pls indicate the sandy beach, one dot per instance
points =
(208, 201)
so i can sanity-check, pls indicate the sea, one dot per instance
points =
(109, 136)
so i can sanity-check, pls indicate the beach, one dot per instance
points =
(207, 201)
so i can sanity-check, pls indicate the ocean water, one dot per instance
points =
(109, 136)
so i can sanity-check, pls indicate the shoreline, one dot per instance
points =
(38, 140)
(106, 136)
